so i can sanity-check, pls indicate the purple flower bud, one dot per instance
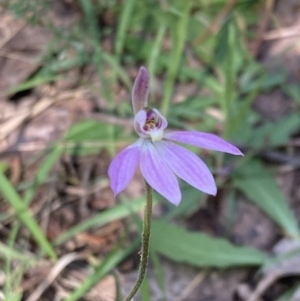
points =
(140, 90)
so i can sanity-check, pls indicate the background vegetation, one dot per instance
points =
(212, 69)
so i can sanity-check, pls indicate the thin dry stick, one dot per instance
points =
(145, 243)
(36, 109)
(7, 53)
(56, 270)
(262, 286)
(12, 34)
(13, 123)
(215, 25)
(283, 33)
(112, 119)
(262, 27)
(42, 146)
(191, 286)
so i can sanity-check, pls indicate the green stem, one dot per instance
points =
(145, 243)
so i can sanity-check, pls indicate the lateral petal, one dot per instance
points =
(203, 140)
(187, 166)
(158, 174)
(123, 166)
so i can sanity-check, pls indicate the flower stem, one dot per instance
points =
(145, 243)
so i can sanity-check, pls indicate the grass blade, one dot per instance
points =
(123, 26)
(43, 172)
(175, 58)
(103, 218)
(155, 52)
(103, 269)
(11, 254)
(24, 215)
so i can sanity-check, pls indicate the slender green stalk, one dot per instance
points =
(145, 243)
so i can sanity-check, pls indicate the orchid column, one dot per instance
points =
(161, 160)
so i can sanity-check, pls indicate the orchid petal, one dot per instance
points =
(140, 118)
(139, 122)
(187, 166)
(158, 174)
(140, 90)
(155, 133)
(123, 166)
(164, 122)
(203, 140)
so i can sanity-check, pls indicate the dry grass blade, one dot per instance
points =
(85, 191)
(128, 123)
(18, 56)
(192, 285)
(11, 34)
(262, 27)
(56, 270)
(215, 25)
(288, 267)
(16, 121)
(39, 107)
(283, 33)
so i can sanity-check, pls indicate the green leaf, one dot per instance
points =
(276, 133)
(200, 249)
(269, 82)
(193, 199)
(293, 91)
(269, 134)
(255, 181)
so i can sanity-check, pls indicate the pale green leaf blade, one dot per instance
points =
(199, 249)
(255, 181)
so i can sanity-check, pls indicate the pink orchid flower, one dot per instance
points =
(160, 159)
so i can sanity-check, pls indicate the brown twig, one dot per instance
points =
(39, 107)
(216, 23)
(12, 34)
(56, 270)
(128, 123)
(18, 56)
(283, 33)
(198, 279)
(255, 45)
